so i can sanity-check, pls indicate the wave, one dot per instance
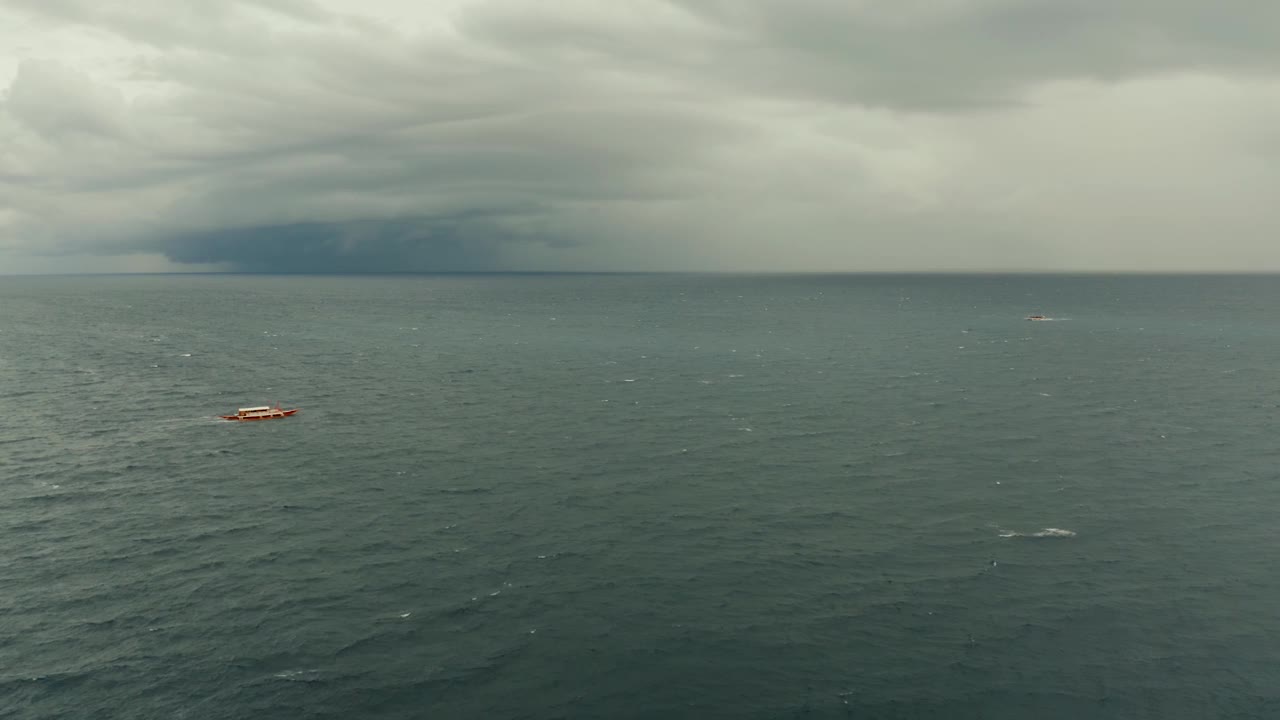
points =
(1045, 533)
(306, 676)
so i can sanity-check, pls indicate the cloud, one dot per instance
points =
(955, 55)
(56, 103)
(303, 135)
(464, 243)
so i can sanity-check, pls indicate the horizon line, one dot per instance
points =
(763, 273)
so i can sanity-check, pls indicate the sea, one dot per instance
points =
(640, 496)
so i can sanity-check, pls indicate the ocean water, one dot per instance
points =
(640, 496)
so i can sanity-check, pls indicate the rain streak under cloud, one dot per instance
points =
(755, 135)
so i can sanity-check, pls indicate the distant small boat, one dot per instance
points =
(265, 412)
(1037, 317)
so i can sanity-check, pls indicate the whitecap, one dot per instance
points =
(300, 675)
(1045, 533)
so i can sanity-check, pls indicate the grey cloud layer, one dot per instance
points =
(642, 134)
(958, 54)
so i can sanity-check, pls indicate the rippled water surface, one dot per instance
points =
(639, 497)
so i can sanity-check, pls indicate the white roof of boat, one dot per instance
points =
(255, 409)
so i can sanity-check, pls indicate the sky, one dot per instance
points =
(639, 135)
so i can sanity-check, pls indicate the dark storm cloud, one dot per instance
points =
(472, 134)
(405, 245)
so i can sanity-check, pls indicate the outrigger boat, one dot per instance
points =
(266, 412)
